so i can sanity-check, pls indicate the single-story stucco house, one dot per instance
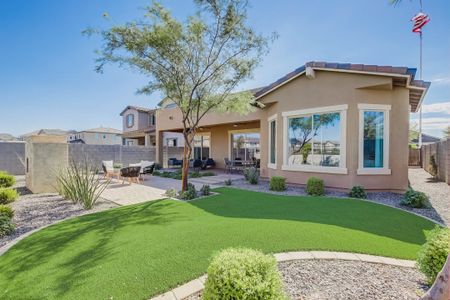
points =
(345, 123)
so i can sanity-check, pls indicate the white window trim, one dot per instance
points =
(271, 119)
(385, 170)
(342, 169)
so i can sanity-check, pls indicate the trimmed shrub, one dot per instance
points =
(228, 182)
(315, 187)
(171, 193)
(358, 192)
(195, 175)
(205, 190)
(6, 226)
(243, 274)
(8, 195)
(432, 166)
(415, 199)
(6, 180)
(277, 183)
(252, 175)
(434, 252)
(6, 210)
(208, 173)
(190, 193)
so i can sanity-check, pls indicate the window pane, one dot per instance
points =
(300, 138)
(373, 139)
(327, 139)
(272, 141)
(245, 146)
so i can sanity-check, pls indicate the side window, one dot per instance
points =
(130, 120)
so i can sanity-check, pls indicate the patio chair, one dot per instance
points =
(196, 164)
(208, 163)
(108, 168)
(132, 173)
(173, 162)
(147, 167)
(228, 165)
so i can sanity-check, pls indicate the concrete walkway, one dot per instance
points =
(197, 285)
(437, 191)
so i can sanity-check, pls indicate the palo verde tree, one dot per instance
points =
(196, 63)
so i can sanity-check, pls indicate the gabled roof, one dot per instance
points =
(138, 108)
(46, 132)
(426, 138)
(102, 129)
(402, 76)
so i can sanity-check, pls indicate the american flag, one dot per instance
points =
(419, 21)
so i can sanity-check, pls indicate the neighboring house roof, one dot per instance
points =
(403, 76)
(46, 132)
(6, 137)
(103, 130)
(77, 141)
(426, 138)
(138, 108)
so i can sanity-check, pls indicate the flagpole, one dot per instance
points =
(420, 74)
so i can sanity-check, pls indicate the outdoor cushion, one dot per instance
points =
(108, 164)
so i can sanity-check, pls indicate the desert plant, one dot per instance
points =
(190, 193)
(8, 195)
(415, 199)
(277, 183)
(6, 180)
(358, 191)
(205, 190)
(79, 183)
(6, 210)
(228, 182)
(432, 167)
(6, 226)
(243, 274)
(251, 175)
(315, 186)
(434, 252)
(171, 193)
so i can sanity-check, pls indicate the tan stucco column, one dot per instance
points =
(159, 147)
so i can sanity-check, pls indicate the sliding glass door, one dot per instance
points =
(245, 146)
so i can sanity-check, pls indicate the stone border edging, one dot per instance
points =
(197, 285)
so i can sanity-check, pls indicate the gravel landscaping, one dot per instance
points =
(34, 211)
(391, 199)
(342, 279)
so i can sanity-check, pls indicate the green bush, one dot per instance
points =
(208, 173)
(277, 183)
(432, 167)
(228, 182)
(6, 210)
(315, 187)
(190, 192)
(243, 274)
(251, 175)
(415, 199)
(6, 180)
(6, 226)
(8, 195)
(434, 252)
(195, 175)
(358, 192)
(205, 190)
(171, 193)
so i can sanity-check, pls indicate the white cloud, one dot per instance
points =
(433, 123)
(443, 107)
(443, 80)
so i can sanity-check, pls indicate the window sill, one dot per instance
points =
(272, 166)
(315, 169)
(373, 171)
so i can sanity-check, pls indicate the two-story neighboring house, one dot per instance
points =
(96, 136)
(139, 125)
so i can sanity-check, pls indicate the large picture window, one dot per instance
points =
(373, 139)
(315, 140)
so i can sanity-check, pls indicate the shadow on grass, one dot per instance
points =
(68, 236)
(348, 213)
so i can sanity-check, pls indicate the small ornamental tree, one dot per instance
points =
(197, 63)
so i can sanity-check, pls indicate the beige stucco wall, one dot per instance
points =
(327, 89)
(96, 138)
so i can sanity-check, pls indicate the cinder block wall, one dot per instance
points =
(12, 157)
(441, 151)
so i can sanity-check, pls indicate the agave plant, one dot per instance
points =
(80, 183)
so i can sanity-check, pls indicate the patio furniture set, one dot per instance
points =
(196, 164)
(134, 172)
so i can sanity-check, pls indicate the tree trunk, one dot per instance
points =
(185, 168)
(440, 290)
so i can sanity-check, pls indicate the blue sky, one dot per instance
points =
(47, 77)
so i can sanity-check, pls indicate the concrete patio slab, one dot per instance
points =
(127, 194)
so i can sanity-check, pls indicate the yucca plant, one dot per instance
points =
(80, 183)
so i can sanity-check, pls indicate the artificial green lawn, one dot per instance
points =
(138, 251)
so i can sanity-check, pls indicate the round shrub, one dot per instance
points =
(434, 252)
(6, 227)
(358, 192)
(251, 175)
(228, 182)
(190, 192)
(415, 199)
(6, 210)
(277, 183)
(315, 187)
(6, 180)
(8, 195)
(238, 273)
(205, 190)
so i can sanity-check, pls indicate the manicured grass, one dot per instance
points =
(138, 251)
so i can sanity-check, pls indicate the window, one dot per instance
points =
(172, 142)
(272, 142)
(152, 120)
(130, 120)
(245, 145)
(373, 139)
(201, 146)
(315, 140)
(104, 136)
